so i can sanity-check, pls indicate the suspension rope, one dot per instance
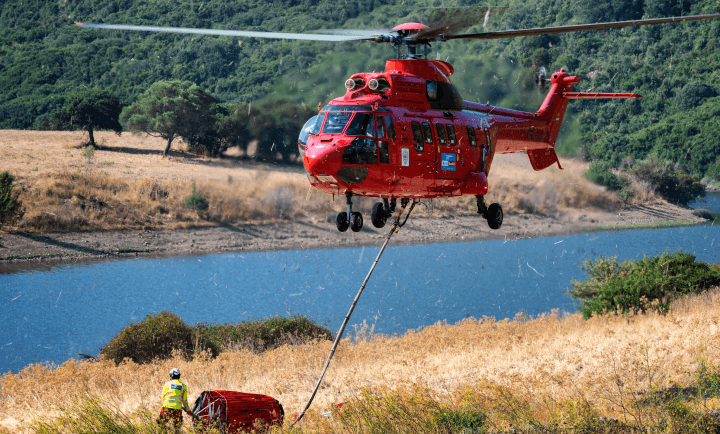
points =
(395, 228)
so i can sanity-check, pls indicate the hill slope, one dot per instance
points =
(43, 56)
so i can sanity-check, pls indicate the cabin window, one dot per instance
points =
(471, 136)
(441, 134)
(335, 122)
(451, 135)
(418, 136)
(428, 133)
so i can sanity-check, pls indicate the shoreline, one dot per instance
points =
(22, 251)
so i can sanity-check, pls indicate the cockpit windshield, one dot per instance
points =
(335, 122)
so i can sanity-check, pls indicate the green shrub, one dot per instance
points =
(634, 286)
(154, 337)
(600, 173)
(600, 271)
(263, 334)
(10, 206)
(196, 201)
(466, 420)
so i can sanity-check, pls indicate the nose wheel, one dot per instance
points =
(354, 222)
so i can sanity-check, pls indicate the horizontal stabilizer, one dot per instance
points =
(598, 95)
(543, 158)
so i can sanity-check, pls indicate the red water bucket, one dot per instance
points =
(235, 412)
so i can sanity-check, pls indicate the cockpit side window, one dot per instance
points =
(311, 127)
(360, 125)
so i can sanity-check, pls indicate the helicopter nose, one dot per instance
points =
(323, 160)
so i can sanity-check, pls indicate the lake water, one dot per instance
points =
(711, 202)
(56, 313)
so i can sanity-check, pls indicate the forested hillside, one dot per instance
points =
(44, 56)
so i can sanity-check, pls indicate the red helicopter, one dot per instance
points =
(406, 133)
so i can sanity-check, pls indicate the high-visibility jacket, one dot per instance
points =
(175, 395)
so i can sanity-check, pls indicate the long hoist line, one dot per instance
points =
(395, 229)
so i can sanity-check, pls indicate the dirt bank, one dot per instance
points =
(31, 248)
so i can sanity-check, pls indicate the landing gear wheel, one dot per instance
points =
(378, 216)
(356, 221)
(495, 216)
(342, 222)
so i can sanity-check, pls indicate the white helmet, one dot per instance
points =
(174, 373)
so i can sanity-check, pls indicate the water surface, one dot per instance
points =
(54, 314)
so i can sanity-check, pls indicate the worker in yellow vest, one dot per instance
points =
(174, 398)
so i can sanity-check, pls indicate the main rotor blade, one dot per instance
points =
(248, 34)
(448, 21)
(361, 33)
(578, 27)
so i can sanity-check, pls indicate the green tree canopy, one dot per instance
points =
(276, 125)
(171, 109)
(89, 111)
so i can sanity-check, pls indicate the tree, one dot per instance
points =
(88, 111)
(693, 94)
(10, 206)
(276, 125)
(234, 128)
(171, 109)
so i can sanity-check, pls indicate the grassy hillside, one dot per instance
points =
(44, 55)
(127, 184)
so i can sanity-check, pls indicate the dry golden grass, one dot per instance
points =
(128, 184)
(604, 362)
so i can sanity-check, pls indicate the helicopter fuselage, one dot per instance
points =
(407, 133)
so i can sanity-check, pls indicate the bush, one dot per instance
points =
(600, 173)
(466, 420)
(196, 201)
(263, 334)
(673, 185)
(157, 336)
(10, 206)
(636, 286)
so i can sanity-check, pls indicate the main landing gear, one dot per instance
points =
(493, 214)
(381, 211)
